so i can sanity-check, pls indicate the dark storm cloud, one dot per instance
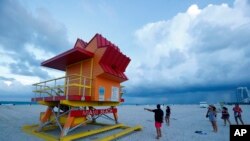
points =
(23, 68)
(160, 91)
(20, 27)
(6, 78)
(16, 89)
(212, 94)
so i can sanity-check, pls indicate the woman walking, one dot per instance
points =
(211, 114)
(168, 112)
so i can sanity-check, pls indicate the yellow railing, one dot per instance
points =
(62, 86)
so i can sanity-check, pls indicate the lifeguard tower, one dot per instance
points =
(94, 72)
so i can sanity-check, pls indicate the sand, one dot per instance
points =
(184, 121)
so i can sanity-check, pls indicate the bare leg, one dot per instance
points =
(158, 133)
(241, 120)
(167, 120)
(228, 121)
(214, 126)
(236, 120)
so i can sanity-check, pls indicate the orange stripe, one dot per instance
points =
(69, 122)
(47, 115)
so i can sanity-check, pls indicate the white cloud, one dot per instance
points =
(14, 88)
(193, 10)
(8, 83)
(202, 47)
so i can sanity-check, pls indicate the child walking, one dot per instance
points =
(237, 114)
(225, 116)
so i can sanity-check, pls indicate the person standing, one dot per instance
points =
(211, 114)
(158, 119)
(237, 114)
(225, 116)
(168, 112)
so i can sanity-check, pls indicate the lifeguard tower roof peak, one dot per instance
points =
(111, 60)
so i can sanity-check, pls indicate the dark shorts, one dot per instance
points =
(225, 117)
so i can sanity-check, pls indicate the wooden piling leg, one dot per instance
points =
(47, 114)
(115, 114)
(67, 125)
(45, 118)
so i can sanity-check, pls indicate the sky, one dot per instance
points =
(181, 51)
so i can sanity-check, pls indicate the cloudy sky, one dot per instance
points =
(182, 52)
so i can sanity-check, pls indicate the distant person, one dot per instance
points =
(237, 114)
(225, 116)
(211, 114)
(168, 112)
(158, 119)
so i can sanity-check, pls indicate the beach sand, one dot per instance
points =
(184, 121)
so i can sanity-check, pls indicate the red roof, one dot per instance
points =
(71, 56)
(80, 43)
(114, 62)
(103, 42)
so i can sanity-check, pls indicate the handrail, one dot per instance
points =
(61, 78)
(62, 85)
